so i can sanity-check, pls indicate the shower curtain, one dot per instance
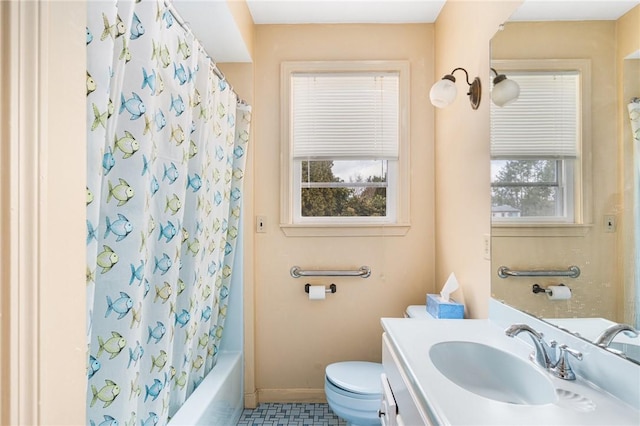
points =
(165, 160)
(634, 115)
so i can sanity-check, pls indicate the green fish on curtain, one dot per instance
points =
(166, 152)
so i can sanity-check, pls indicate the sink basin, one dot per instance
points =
(492, 373)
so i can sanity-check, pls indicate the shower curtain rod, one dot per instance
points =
(183, 24)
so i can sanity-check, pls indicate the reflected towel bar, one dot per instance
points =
(363, 272)
(571, 272)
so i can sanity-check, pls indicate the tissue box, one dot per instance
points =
(438, 308)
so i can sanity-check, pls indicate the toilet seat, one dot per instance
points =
(354, 388)
(356, 377)
(354, 391)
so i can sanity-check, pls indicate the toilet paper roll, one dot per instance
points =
(558, 292)
(317, 292)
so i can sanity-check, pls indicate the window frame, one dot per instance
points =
(398, 188)
(582, 188)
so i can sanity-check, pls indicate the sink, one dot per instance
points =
(492, 373)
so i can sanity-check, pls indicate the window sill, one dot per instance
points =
(345, 230)
(540, 230)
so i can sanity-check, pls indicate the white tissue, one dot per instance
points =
(317, 292)
(449, 287)
(558, 292)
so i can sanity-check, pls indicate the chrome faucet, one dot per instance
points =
(607, 336)
(545, 354)
(563, 369)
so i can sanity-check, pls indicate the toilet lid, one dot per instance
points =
(356, 376)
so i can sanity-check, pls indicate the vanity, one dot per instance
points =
(469, 372)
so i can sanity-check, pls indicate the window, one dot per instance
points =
(537, 148)
(346, 144)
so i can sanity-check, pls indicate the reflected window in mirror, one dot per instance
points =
(537, 149)
(532, 189)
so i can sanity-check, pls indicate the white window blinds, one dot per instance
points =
(543, 122)
(345, 115)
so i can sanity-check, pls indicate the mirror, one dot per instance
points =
(581, 213)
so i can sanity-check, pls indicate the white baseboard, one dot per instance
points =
(291, 395)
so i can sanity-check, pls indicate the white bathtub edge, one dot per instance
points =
(218, 400)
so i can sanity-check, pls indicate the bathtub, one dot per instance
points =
(218, 400)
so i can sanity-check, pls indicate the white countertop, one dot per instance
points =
(579, 402)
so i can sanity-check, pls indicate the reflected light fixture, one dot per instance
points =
(504, 90)
(444, 92)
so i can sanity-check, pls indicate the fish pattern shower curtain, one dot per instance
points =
(165, 160)
(634, 115)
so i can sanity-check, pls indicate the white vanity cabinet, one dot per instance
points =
(400, 405)
(424, 395)
(388, 412)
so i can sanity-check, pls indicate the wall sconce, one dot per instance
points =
(504, 90)
(444, 92)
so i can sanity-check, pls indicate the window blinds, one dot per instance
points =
(543, 122)
(345, 115)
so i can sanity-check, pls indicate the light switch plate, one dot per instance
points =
(261, 224)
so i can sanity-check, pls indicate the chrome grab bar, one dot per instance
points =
(571, 272)
(363, 272)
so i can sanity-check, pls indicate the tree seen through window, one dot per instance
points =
(529, 186)
(326, 195)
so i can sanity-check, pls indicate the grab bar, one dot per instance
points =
(571, 272)
(363, 272)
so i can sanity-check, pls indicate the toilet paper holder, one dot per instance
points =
(331, 289)
(538, 289)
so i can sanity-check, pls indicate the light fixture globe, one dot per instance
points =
(504, 91)
(443, 92)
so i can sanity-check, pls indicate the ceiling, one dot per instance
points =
(411, 11)
(212, 23)
(343, 12)
(572, 10)
(211, 20)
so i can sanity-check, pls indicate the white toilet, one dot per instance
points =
(353, 388)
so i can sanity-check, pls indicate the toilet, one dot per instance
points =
(353, 388)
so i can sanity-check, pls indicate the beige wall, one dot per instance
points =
(242, 77)
(5, 86)
(296, 338)
(628, 78)
(244, 22)
(462, 34)
(595, 292)
(63, 350)
(43, 352)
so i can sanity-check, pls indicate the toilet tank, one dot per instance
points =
(417, 312)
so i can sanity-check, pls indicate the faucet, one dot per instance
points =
(563, 369)
(607, 336)
(544, 354)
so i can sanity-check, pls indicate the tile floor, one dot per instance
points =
(290, 414)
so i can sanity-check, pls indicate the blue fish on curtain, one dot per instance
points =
(166, 154)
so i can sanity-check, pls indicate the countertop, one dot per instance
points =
(579, 402)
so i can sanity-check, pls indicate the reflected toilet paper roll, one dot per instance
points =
(558, 292)
(317, 292)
